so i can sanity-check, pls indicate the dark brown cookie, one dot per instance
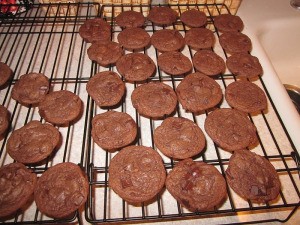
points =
(179, 138)
(228, 23)
(134, 38)
(246, 96)
(5, 73)
(106, 88)
(61, 190)
(196, 185)
(137, 174)
(193, 18)
(162, 15)
(33, 142)
(198, 92)
(174, 63)
(128, 19)
(235, 42)
(252, 177)
(244, 65)
(154, 99)
(230, 129)
(113, 130)
(30, 88)
(136, 66)
(167, 40)
(95, 30)
(16, 186)
(105, 53)
(4, 119)
(199, 38)
(60, 107)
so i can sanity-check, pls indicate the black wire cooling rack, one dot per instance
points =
(45, 39)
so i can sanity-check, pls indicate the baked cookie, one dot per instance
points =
(17, 185)
(193, 18)
(30, 88)
(252, 177)
(228, 23)
(137, 174)
(105, 53)
(106, 88)
(167, 40)
(196, 185)
(235, 42)
(154, 99)
(200, 38)
(174, 63)
(208, 62)
(136, 66)
(198, 92)
(128, 19)
(4, 119)
(33, 142)
(60, 107)
(5, 73)
(95, 30)
(230, 129)
(162, 15)
(244, 65)
(113, 130)
(134, 38)
(61, 190)
(179, 138)
(246, 96)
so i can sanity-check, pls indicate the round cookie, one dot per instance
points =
(60, 107)
(30, 88)
(208, 62)
(61, 190)
(179, 138)
(252, 177)
(193, 18)
(137, 174)
(4, 119)
(17, 185)
(167, 40)
(136, 66)
(245, 96)
(154, 99)
(199, 38)
(113, 130)
(33, 142)
(105, 53)
(95, 30)
(230, 129)
(235, 42)
(128, 19)
(174, 63)
(162, 15)
(196, 185)
(5, 73)
(106, 88)
(244, 65)
(198, 92)
(134, 38)
(228, 23)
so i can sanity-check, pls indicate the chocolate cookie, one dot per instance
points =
(230, 129)
(174, 63)
(208, 62)
(235, 42)
(137, 174)
(4, 119)
(128, 19)
(30, 88)
(167, 40)
(61, 190)
(5, 73)
(106, 88)
(199, 38)
(228, 23)
(60, 107)
(136, 66)
(193, 18)
(179, 138)
(16, 187)
(198, 92)
(244, 65)
(162, 15)
(154, 99)
(33, 142)
(113, 130)
(95, 30)
(105, 53)
(196, 185)
(252, 177)
(246, 96)
(134, 38)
